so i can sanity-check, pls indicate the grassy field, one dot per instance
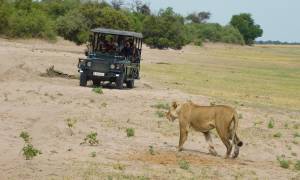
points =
(259, 76)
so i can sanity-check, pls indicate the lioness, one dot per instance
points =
(204, 119)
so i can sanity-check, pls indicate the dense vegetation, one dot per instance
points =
(72, 19)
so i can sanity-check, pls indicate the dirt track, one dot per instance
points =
(41, 105)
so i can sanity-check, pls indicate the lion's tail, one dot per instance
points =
(236, 139)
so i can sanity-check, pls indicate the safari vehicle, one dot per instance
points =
(113, 56)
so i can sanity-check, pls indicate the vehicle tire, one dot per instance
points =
(96, 82)
(130, 84)
(83, 79)
(120, 81)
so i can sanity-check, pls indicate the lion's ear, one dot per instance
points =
(174, 104)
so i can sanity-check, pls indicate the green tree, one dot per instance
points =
(245, 24)
(5, 11)
(73, 26)
(199, 17)
(164, 30)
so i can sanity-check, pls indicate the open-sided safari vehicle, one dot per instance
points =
(112, 56)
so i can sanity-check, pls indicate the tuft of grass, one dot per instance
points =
(161, 105)
(296, 135)
(119, 166)
(297, 165)
(93, 154)
(295, 142)
(91, 139)
(29, 152)
(130, 132)
(160, 114)
(71, 122)
(97, 90)
(183, 164)
(296, 126)
(271, 124)
(151, 150)
(104, 104)
(294, 154)
(283, 162)
(25, 136)
(277, 135)
(286, 125)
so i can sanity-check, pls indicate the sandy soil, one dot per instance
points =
(41, 106)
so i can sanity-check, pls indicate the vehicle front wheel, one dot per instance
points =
(120, 81)
(83, 79)
(130, 84)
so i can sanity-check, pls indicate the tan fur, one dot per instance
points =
(204, 119)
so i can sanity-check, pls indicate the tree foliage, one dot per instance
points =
(73, 19)
(245, 24)
(199, 17)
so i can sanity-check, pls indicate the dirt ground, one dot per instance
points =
(41, 106)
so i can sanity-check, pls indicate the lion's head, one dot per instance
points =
(172, 114)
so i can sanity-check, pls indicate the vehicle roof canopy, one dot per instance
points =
(117, 32)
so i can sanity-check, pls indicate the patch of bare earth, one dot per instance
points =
(41, 106)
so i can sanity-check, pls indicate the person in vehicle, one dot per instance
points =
(127, 50)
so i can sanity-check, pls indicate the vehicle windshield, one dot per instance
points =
(128, 47)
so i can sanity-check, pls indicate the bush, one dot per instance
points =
(33, 24)
(29, 152)
(73, 27)
(164, 30)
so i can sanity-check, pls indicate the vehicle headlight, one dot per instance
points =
(89, 64)
(112, 66)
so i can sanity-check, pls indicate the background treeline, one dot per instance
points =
(72, 19)
(277, 42)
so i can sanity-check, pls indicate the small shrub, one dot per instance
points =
(151, 150)
(130, 132)
(97, 90)
(160, 114)
(294, 154)
(91, 139)
(286, 125)
(295, 142)
(198, 42)
(271, 124)
(183, 164)
(277, 135)
(297, 165)
(104, 104)
(25, 136)
(283, 162)
(29, 152)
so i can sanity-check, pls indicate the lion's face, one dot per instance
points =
(172, 113)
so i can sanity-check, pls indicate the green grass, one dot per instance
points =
(277, 135)
(97, 90)
(130, 132)
(160, 114)
(262, 75)
(283, 162)
(183, 164)
(91, 139)
(162, 105)
(271, 124)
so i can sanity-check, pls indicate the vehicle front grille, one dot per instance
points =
(100, 66)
